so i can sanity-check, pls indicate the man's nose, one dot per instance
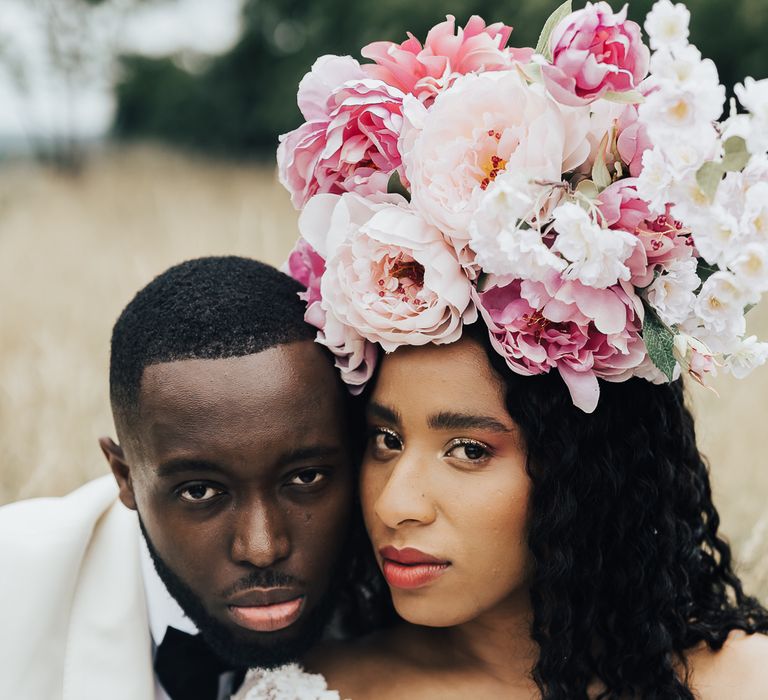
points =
(404, 497)
(260, 536)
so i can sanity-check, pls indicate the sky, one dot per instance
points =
(38, 104)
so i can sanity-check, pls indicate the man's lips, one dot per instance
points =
(410, 568)
(266, 610)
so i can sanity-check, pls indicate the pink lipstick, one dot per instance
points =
(410, 568)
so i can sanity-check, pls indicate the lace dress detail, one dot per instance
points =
(289, 682)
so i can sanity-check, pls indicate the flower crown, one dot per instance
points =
(581, 198)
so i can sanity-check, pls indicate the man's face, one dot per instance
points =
(241, 473)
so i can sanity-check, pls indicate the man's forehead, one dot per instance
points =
(269, 375)
(281, 392)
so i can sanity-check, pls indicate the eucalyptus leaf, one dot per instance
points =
(704, 270)
(708, 178)
(660, 342)
(630, 97)
(549, 26)
(736, 154)
(396, 186)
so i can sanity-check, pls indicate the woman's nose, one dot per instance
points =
(404, 496)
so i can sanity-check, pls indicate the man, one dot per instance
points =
(220, 545)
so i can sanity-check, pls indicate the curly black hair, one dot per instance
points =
(630, 571)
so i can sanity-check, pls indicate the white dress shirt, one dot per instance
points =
(165, 612)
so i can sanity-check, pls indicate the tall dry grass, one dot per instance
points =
(74, 251)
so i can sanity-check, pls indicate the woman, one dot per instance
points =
(541, 242)
(559, 553)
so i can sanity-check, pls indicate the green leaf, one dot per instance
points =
(396, 186)
(549, 26)
(630, 97)
(588, 189)
(660, 342)
(704, 270)
(601, 176)
(736, 154)
(482, 281)
(708, 178)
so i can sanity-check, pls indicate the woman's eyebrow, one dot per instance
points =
(380, 412)
(449, 420)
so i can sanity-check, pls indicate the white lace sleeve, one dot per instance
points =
(289, 682)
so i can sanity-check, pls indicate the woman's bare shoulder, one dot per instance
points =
(363, 668)
(738, 671)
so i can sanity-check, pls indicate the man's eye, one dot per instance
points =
(385, 440)
(469, 451)
(199, 493)
(309, 477)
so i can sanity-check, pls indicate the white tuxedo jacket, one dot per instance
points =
(73, 615)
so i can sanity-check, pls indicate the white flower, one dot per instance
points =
(720, 304)
(714, 234)
(655, 181)
(667, 24)
(676, 112)
(754, 221)
(753, 95)
(672, 294)
(749, 354)
(287, 682)
(504, 231)
(683, 67)
(596, 255)
(750, 265)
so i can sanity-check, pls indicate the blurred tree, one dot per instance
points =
(239, 102)
(78, 47)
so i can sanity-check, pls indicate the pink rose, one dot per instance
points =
(424, 71)
(595, 51)
(349, 141)
(389, 275)
(661, 239)
(583, 333)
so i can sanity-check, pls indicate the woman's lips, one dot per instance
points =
(410, 568)
(267, 618)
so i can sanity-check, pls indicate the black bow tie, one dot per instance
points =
(188, 669)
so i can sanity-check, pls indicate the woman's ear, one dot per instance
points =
(121, 469)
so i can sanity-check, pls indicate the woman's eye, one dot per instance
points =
(469, 451)
(309, 477)
(386, 441)
(199, 493)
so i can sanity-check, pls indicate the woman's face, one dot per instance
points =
(444, 487)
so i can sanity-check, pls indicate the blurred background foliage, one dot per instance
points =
(237, 103)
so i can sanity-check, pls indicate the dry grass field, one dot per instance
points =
(74, 250)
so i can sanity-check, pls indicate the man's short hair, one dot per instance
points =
(208, 308)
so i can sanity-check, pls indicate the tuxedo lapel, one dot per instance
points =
(109, 652)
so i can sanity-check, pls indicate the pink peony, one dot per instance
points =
(583, 333)
(307, 267)
(595, 51)
(349, 141)
(389, 275)
(633, 140)
(485, 124)
(424, 71)
(355, 356)
(662, 239)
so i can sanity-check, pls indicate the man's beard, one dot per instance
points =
(219, 637)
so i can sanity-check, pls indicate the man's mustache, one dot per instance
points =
(264, 578)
